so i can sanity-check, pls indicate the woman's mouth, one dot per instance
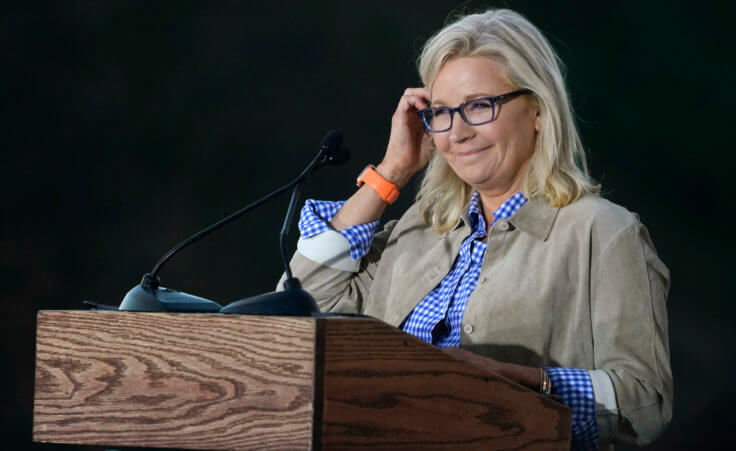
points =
(468, 153)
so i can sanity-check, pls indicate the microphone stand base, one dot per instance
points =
(293, 302)
(149, 297)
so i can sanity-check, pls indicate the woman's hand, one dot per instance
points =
(409, 146)
(408, 151)
(524, 375)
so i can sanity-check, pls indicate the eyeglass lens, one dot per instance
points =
(474, 112)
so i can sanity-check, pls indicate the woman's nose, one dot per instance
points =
(460, 130)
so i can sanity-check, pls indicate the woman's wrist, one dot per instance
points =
(393, 174)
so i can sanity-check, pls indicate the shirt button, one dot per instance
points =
(503, 225)
(483, 280)
(468, 328)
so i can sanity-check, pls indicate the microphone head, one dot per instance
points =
(331, 142)
(341, 156)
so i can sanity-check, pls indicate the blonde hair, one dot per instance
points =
(557, 171)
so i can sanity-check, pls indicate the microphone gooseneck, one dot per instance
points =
(293, 301)
(285, 229)
(150, 296)
(198, 236)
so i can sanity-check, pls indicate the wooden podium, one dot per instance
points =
(213, 381)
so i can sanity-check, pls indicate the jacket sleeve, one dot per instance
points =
(629, 286)
(339, 290)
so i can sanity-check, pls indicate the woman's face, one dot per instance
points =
(490, 157)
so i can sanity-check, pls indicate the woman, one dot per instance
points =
(509, 258)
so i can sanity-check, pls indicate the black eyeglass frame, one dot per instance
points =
(496, 100)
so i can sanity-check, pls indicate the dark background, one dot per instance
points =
(127, 126)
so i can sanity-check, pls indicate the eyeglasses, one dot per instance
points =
(477, 111)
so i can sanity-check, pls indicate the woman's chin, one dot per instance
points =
(491, 185)
(475, 179)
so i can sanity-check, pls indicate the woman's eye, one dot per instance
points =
(479, 106)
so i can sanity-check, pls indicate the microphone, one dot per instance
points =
(332, 142)
(149, 296)
(293, 301)
(335, 154)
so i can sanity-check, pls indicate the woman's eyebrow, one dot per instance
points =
(474, 95)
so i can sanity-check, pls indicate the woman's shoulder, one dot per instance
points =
(411, 218)
(595, 207)
(600, 217)
(412, 215)
(409, 223)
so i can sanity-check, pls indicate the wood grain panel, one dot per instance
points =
(174, 380)
(387, 390)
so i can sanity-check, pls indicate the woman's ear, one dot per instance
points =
(537, 120)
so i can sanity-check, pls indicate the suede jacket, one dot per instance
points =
(579, 286)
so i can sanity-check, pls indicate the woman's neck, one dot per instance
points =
(494, 198)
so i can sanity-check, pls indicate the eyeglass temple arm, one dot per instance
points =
(510, 95)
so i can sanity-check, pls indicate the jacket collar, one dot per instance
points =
(535, 217)
(464, 220)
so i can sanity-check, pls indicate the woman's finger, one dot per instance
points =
(412, 100)
(416, 102)
(418, 92)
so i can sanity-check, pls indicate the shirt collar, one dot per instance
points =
(473, 214)
(532, 216)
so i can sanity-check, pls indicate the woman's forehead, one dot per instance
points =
(464, 78)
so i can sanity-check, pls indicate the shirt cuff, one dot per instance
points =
(316, 215)
(575, 388)
(328, 248)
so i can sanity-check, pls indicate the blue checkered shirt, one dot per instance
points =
(438, 317)
(314, 219)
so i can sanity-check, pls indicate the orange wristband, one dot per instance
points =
(387, 190)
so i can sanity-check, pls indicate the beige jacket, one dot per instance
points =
(579, 286)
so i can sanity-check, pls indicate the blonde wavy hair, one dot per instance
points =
(557, 172)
